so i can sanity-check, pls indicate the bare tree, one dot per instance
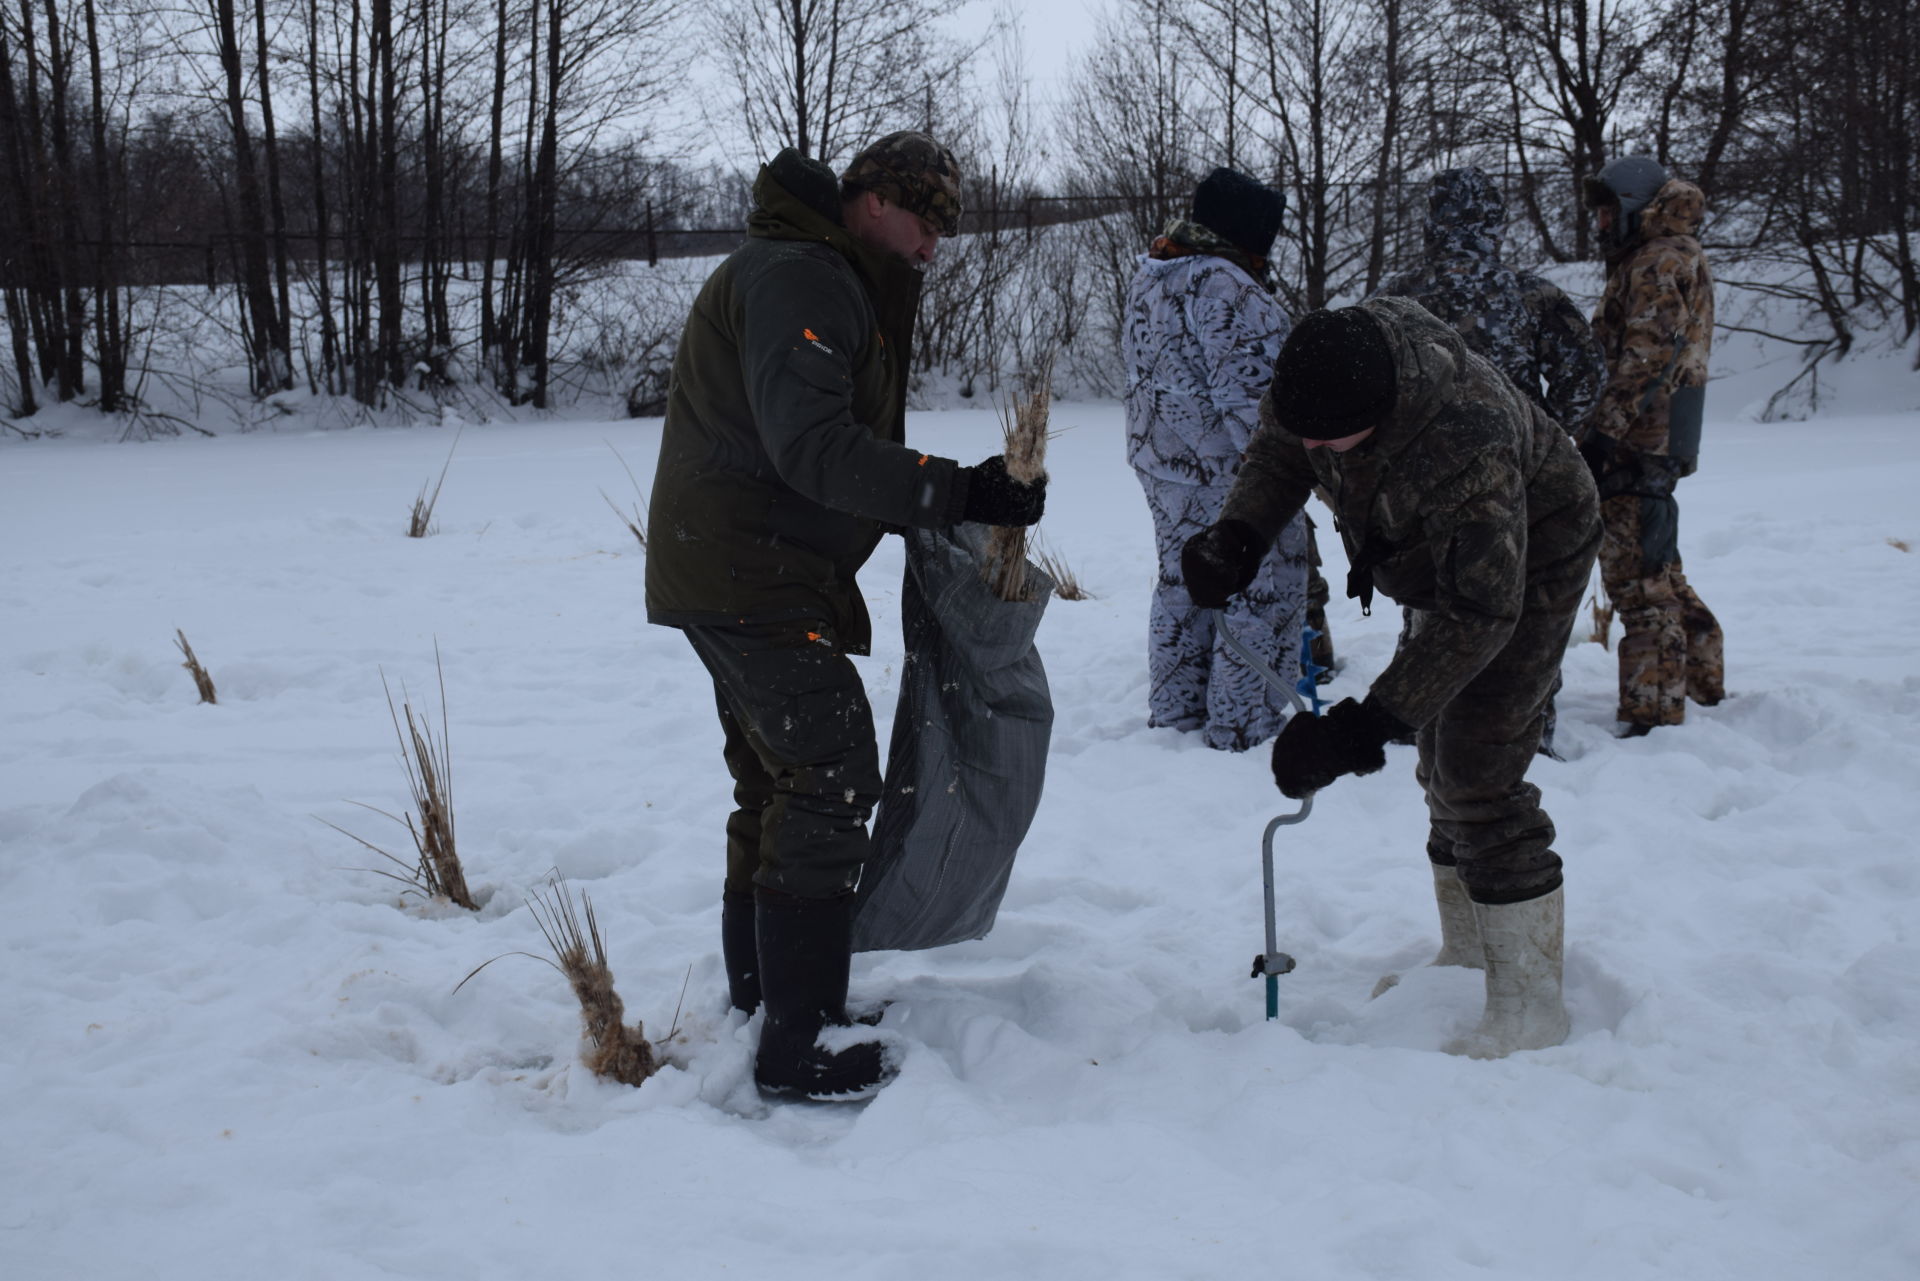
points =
(825, 76)
(1569, 66)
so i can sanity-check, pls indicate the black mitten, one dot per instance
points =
(1351, 738)
(1219, 561)
(996, 498)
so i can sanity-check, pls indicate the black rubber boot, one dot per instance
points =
(805, 955)
(740, 950)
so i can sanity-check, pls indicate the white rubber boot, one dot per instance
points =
(1523, 943)
(1459, 931)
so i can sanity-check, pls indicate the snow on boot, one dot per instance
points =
(805, 950)
(739, 950)
(1523, 944)
(1459, 932)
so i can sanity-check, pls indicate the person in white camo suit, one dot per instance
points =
(1202, 332)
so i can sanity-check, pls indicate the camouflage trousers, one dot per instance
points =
(1484, 818)
(1671, 649)
(1194, 681)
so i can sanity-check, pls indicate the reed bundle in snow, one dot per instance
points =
(436, 871)
(1602, 621)
(620, 1053)
(201, 680)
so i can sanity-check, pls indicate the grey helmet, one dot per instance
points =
(1631, 182)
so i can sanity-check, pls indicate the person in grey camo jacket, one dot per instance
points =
(1524, 324)
(1201, 334)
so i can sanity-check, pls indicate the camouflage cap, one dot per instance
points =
(912, 171)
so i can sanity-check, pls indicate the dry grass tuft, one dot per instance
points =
(420, 522)
(1898, 544)
(1024, 424)
(1602, 622)
(436, 871)
(636, 521)
(620, 1053)
(1065, 585)
(202, 681)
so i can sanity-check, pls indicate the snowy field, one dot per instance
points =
(230, 1053)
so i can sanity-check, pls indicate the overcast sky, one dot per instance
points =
(1055, 32)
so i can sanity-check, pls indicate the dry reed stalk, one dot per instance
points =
(1024, 425)
(620, 1053)
(1065, 585)
(420, 522)
(201, 681)
(636, 523)
(1602, 622)
(436, 870)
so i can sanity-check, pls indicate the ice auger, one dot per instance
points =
(1272, 963)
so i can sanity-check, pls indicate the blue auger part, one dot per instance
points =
(1308, 684)
(1272, 963)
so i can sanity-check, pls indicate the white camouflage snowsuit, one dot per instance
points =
(1199, 343)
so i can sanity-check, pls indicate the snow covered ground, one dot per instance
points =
(230, 1054)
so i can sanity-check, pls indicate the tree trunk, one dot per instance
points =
(70, 333)
(269, 142)
(546, 195)
(272, 367)
(110, 344)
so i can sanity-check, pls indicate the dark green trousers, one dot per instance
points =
(800, 747)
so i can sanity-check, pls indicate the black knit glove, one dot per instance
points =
(1351, 738)
(995, 498)
(1220, 561)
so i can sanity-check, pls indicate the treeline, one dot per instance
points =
(1797, 118)
(388, 196)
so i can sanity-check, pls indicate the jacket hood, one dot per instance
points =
(796, 198)
(1466, 217)
(1677, 209)
(1427, 356)
(1187, 264)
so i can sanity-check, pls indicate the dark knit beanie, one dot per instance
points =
(1233, 205)
(1335, 375)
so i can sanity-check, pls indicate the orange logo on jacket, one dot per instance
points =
(814, 338)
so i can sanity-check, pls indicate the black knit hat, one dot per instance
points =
(1233, 205)
(1335, 375)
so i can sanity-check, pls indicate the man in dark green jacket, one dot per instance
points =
(782, 462)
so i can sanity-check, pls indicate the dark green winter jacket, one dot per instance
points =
(783, 458)
(1469, 503)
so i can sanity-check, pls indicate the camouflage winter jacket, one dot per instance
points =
(1521, 322)
(1465, 499)
(1655, 323)
(1199, 343)
(781, 461)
